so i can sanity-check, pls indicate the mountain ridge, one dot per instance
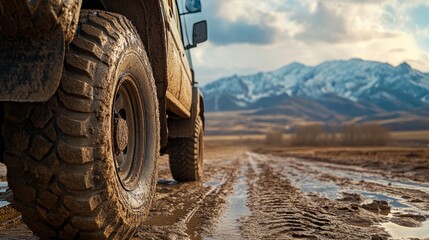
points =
(374, 85)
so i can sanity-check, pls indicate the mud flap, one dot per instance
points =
(30, 69)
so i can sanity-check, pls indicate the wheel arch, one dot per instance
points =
(149, 19)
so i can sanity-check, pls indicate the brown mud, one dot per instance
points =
(247, 195)
(407, 162)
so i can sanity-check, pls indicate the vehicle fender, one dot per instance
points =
(149, 19)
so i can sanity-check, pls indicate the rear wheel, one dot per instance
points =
(84, 164)
(186, 155)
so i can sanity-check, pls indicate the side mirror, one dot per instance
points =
(199, 34)
(193, 6)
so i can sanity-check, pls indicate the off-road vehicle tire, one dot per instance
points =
(1, 135)
(22, 18)
(186, 155)
(63, 156)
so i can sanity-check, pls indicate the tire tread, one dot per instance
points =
(183, 155)
(63, 180)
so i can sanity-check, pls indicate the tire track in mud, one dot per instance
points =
(281, 211)
(355, 178)
(190, 210)
(229, 226)
(180, 210)
(407, 200)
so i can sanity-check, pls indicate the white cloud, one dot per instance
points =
(346, 22)
(310, 32)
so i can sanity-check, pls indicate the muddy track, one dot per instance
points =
(280, 211)
(355, 178)
(189, 210)
(244, 195)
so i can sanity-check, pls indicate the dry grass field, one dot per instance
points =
(248, 123)
(411, 136)
(407, 153)
(404, 138)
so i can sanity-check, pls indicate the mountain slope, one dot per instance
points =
(342, 88)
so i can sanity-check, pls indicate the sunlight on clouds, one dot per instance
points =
(220, 61)
(345, 22)
(264, 13)
(310, 32)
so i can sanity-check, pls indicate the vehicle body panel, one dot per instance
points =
(178, 71)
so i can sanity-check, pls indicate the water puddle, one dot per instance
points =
(181, 221)
(3, 187)
(304, 175)
(396, 203)
(167, 182)
(330, 190)
(360, 174)
(215, 182)
(310, 184)
(229, 226)
(4, 203)
(401, 232)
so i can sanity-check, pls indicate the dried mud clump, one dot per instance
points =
(376, 206)
(351, 197)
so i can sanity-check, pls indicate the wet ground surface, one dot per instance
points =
(247, 195)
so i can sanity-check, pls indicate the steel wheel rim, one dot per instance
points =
(128, 109)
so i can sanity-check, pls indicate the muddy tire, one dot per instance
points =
(1, 133)
(186, 155)
(84, 164)
(20, 18)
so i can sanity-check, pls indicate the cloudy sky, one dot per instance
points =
(248, 36)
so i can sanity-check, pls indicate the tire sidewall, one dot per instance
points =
(130, 61)
(200, 145)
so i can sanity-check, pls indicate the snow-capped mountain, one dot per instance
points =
(355, 87)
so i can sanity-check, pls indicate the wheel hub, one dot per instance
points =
(121, 135)
(127, 128)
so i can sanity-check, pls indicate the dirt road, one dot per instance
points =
(247, 195)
